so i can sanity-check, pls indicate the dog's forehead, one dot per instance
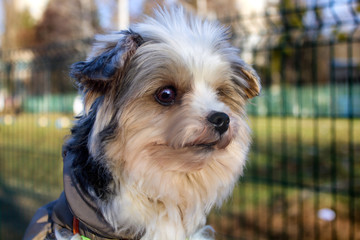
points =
(177, 27)
(201, 46)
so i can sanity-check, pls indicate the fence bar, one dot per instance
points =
(351, 147)
(316, 167)
(299, 149)
(333, 138)
(269, 166)
(255, 172)
(306, 121)
(284, 157)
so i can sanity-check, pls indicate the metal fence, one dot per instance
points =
(302, 179)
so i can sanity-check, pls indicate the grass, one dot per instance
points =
(30, 168)
(30, 153)
(310, 150)
(296, 167)
(263, 211)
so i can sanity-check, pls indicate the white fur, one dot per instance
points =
(164, 187)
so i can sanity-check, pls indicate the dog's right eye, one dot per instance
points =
(166, 95)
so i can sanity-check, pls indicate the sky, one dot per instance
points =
(334, 12)
(107, 10)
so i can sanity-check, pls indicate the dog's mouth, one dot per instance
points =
(199, 146)
(218, 144)
(209, 145)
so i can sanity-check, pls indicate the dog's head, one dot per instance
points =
(168, 97)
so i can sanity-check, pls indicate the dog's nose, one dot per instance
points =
(220, 121)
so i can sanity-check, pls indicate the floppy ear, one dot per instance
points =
(245, 77)
(110, 54)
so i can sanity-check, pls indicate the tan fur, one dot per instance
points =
(165, 183)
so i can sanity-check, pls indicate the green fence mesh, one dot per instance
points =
(302, 179)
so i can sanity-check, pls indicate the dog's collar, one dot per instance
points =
(91, 223)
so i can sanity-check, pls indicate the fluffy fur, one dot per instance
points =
(157, 170)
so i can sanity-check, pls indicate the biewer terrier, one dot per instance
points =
(163, 137)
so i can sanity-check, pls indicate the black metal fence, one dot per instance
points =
(302, 179)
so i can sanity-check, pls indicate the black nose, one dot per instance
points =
(220, 121)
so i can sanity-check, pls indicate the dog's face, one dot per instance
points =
(169, 97)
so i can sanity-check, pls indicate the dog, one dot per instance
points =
(163, 137)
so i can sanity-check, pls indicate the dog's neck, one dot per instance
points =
(84, 207)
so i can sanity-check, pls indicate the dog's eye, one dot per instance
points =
(166, 96)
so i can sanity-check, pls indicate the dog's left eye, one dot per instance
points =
(166, 96)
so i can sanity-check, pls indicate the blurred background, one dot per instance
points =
(302, 179)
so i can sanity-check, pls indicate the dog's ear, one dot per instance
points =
(110, 54)
(246, 78)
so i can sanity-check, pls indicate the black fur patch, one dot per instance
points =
(98, 73)
(90, 173)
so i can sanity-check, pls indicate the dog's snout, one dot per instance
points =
(220, 121)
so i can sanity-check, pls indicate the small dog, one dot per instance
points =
(163, 137)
